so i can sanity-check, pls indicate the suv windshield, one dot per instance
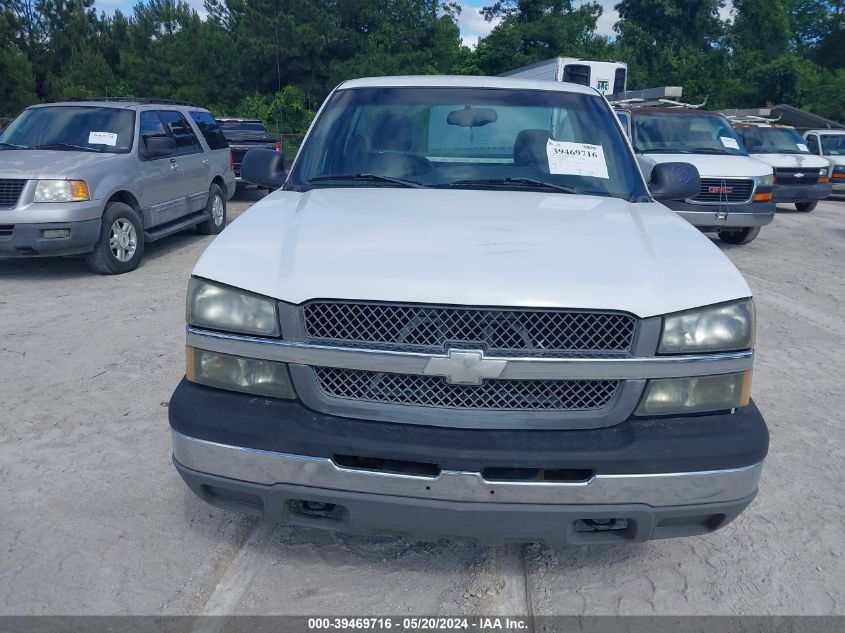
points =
(687, 133)
(72, 128)
(468, 138)
(242, 129)
(833, 144)
(772, 140)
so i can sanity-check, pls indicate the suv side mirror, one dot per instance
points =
(264, 167)
(674, 181)
(158, 146)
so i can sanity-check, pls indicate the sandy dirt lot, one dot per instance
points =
(95, 519)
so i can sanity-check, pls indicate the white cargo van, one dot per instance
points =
(830, 144)
(800, 177)
(735, 199)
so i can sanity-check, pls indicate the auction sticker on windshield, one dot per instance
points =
(727, 141)
(102, 138)
(802, 147)
(576, 159)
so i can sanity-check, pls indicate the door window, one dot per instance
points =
(210, 129)
(179, 128)
(813, 143)
(151, 127)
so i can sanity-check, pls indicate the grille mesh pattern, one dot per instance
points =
(499, 395)
(10, 192)
(740, 190)
(500, 332)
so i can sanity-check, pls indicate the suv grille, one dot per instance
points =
(10, 192)
(725, 189)
(790, 176)
(491, 395)
(429, 329)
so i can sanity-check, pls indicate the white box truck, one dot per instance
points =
(606, 77)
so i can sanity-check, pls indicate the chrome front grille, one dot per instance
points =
(491, 395)
(499, 332)
(725, 190)
(10, 192)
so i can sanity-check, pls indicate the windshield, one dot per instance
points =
(833, 144)
(685, 134)
(243, 129)
(772, 140)
(72, 128)
(468, 138)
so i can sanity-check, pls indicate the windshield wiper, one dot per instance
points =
(663, 150)
(13, 146)
(369, 178)
(67, 146)
(520, 182)
(712, 150)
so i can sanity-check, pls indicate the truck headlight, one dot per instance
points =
(696, 395)
(766, 181)
(723, 328)
(237, 373)
(61, 191)
(823, 171)
(219, 307)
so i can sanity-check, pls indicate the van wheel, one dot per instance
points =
(806, 207)
(740, 236)
(216, 209)
(121, 243)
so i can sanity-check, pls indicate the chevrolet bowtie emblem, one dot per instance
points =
(464, 367)
(799, 175)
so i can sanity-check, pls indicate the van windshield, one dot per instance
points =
(487, 138)
(687, 133)
(773, 140)
(72, 128)
(833, 144)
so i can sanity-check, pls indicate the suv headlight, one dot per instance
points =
(765, 181)
(61, 191)
(219, 307)
(722, 328)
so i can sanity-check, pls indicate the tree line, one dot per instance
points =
(277, 59)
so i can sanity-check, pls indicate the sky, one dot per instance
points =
(472, 23)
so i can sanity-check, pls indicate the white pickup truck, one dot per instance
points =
(465, 314)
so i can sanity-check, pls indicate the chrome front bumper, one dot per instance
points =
(268, 468)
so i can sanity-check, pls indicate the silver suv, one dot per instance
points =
(103, 177)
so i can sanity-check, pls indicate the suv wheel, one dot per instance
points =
(740, 236)
(216, 209)
(121, 243)
(806, 207)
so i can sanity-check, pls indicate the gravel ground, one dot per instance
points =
(95, 519)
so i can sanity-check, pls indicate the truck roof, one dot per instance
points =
(637, 110)
(825, 131)
(465, 81)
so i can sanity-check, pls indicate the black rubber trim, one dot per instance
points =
(638, 445)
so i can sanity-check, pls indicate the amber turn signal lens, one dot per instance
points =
(823, 180)
(763, 197)
(79, 190)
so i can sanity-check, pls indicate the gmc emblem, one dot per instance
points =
(722, 189)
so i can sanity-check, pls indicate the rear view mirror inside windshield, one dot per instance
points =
(472, 117)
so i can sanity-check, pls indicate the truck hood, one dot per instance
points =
(710, 165)
(800, 161)
(484, 248)
(32, 164)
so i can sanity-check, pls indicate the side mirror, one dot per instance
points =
(264, 167)
(158, 146)
(674, 181)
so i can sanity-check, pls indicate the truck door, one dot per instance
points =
(194, 163)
